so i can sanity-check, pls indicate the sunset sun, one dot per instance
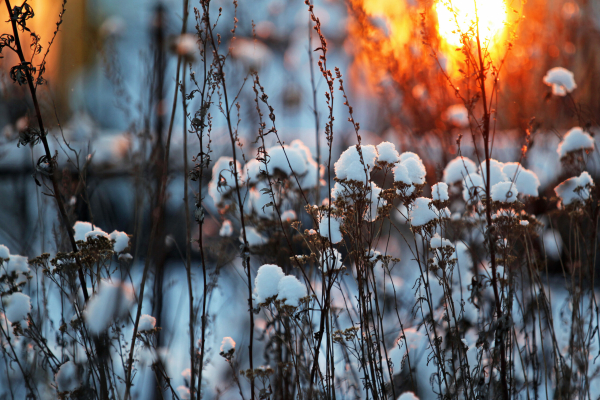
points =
(458, 16)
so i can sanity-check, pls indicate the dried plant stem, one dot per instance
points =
(481, 77)
(245, 254)
(56, 190)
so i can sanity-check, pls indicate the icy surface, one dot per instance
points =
(562, 81)
(575, 139)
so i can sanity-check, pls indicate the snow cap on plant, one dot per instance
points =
(575, 140)
(227, 348)
(562, 81)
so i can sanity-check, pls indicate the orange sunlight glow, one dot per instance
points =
(459, 16)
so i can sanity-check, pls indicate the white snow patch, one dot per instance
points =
(67, 378)
(496, 174)
(423, 212)
(439, 191)
(223, 178)
(575, 139)
(227, 345)
(16, 307)
(458, 169)
(121, 241)
(526, 181)
(226, 229)
(387, 152)
(457, 115)
(266, 281)
(81, 228)
(253, 236)
(349, 165)
(561, 79)
(505, 192)
(289, 216)
(112, 302)
(147, 323)
(336, 234)
(574, 190)
(292, 290)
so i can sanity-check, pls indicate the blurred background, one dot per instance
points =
(111, 77)
(103, 77)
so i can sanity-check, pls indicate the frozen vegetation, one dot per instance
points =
(313, 271)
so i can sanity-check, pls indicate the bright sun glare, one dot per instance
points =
(491, 13)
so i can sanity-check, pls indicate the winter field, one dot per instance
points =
(276, 199)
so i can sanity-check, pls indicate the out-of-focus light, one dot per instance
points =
(459, 16)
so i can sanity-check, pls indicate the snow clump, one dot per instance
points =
(84, 230)
(473, 186)
(423, 212)
(336, 234)
(576, 139)
(147, 323)
(12, 265)
(574, 190)
(439, 191)
(226, 229)
(387, 153)
(350, 167)
(121, 241)
(16, 307)
(289, 216)
(562, 81)
(223, 178)
(458, 169)
(227, 345)
(526, 181)
(408, 396)
(112, 302)
(457, 115)
(292, 290)
(505, 192)
(496, 174)
(266, 281)
(67, 378)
